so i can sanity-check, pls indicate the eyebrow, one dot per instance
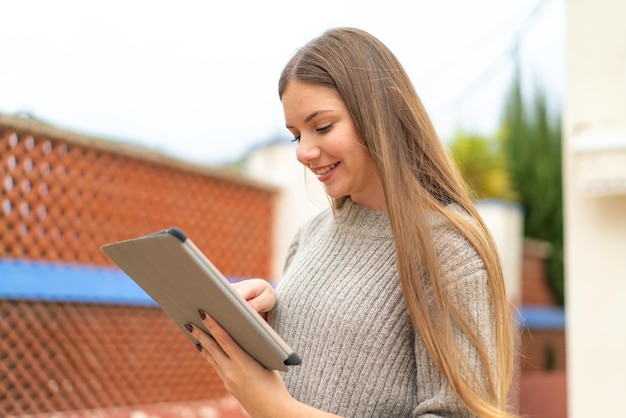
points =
(312, 115)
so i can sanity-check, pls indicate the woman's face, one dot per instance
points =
(329, 145)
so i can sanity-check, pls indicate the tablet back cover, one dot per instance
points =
(181, 280)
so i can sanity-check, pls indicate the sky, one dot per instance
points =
(197, 80)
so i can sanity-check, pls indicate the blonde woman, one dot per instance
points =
(394, 297)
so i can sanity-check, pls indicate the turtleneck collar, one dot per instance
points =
(361, 220)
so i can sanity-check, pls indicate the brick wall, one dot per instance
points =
(63, 195)
(543, 348)
(535, 289)
(542, 385)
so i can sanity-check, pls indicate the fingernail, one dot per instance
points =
(199, 347)
(189, 327)
(202, 314)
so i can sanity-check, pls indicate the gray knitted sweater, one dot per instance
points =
(340, 306)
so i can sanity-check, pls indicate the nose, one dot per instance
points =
(308, 150)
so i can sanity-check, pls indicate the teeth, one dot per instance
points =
(325, 170)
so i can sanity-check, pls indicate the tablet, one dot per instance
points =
(169, 267)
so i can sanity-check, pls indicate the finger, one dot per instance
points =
(205, 340)
(258, 293)
(204, 353)
(208, 347)
(248, 289)
(222, 339)
(218, 335)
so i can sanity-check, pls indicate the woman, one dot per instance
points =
(394, 297)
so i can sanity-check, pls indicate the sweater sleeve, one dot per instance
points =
(467, 284)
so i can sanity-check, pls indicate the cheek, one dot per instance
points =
(359, 153)
(346, 142)
(364, 163)
(367, 165)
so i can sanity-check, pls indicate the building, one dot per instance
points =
(594, 153)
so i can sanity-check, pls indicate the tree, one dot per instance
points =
(532, 137)
(482, 163)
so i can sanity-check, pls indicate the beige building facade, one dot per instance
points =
(594, 153)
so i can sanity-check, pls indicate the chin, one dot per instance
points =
(336, 195)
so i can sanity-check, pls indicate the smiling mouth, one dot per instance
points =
(322, 171)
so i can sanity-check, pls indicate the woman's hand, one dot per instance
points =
(259, 293)
(261, 392)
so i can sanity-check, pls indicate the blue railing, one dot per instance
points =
(62, 282)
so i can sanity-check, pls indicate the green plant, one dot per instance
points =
(532, 140)
(483, 165)
(550, 355)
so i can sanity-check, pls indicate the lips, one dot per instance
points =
(321, 172)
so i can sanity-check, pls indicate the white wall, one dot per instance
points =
(301, 196)
(595, 224)
(505, 221)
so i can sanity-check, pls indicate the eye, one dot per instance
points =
(324, 129)
(296, 139)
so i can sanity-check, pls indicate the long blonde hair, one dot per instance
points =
(416, 173)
